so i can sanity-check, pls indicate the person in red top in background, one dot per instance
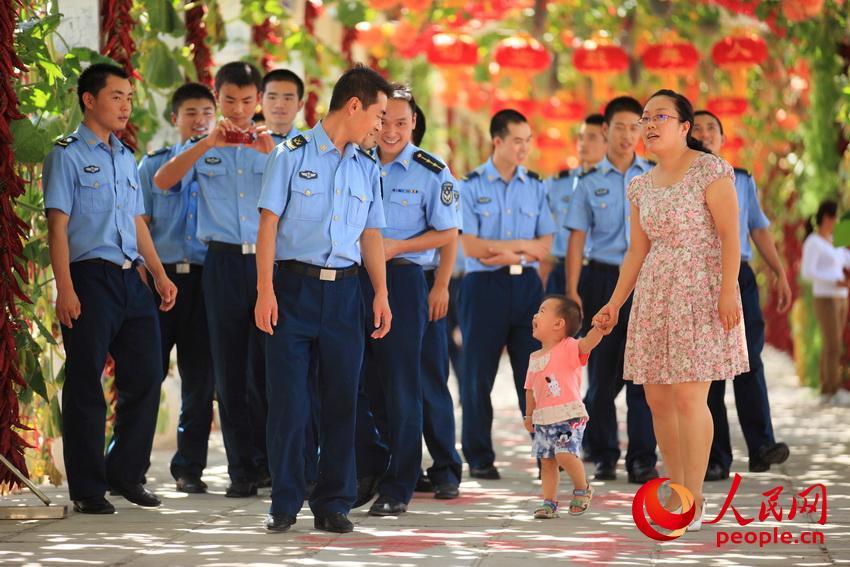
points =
(555, 413)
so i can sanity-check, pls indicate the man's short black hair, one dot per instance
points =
(594, 120)
(240, 74)
(287, 76)
(711, 114)
(622, 104)
(359, 82)
(502, 120)
(190, 91)
(568, 310)
(419, 129)
(93, 79)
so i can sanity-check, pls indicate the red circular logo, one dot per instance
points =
(647, 499)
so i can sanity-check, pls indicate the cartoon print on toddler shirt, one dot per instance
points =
(554, 387)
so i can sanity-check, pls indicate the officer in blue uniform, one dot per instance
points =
(751, 397)
(438, 418)
(507, 230)
(321, 209)
(172, 216)
(591, 148)
(419, 206)
(97, 236)
(229, 176)
(281, 101)
(600, 209)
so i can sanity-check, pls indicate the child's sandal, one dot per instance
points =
(581, 501)
(546, 512)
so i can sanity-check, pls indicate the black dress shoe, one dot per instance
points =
(424, 484)
(191, 484)
(367, 488)
(241, 489)
(279, 522)
(446, 491)
(386, 506)
(137, 494)
(605, 471)
(642, 473)
(716, 471)
(96, 505)
(489, 472)
(336, 523)
(264, 480)
(775, 454)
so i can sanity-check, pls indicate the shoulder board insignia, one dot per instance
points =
(64, 142)
(428, 161)
(563, 173)
(471, 175)
(742, 171)
(293, 144)
(129, 147)
(276, 134)
(533, 174)
(195, 139)
(588, 172)
(158, 152)
(367, 154)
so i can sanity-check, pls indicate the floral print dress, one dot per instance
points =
(675, 334)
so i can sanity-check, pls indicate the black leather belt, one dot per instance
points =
(515, 269)
(401, 262)
(126, 266)
(603, 266)
(232, 248)
(183, 268)
(324, 274)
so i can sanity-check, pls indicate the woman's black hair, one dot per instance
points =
(828, 208)
(686, 114)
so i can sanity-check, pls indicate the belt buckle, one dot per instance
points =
(127, 264)
(183, 268)
(248, 248)
(327, 275)
(515, 269)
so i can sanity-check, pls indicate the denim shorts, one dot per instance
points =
(561, 437)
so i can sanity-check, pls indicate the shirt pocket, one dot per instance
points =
(604, 214)
(166, 204)
(359, 201)
(96, 194)
(488, 219)
(131, 197)
(405, 210)
(528, 221)
(213, 181)
(306, 202)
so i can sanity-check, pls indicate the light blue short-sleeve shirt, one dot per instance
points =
(325, 199)
(495, 210)
(173, 213)
(600, 208)
(751, 216)
(97, 186)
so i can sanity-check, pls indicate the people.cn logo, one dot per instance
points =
(649, 512)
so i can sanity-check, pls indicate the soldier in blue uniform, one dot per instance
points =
(172, 215)
(591, 150)
(321, 217)
(97, 236)
(419, 206)
(507, 230)
(229, 176)
(750, 388)
(282, 99)
(600, 210)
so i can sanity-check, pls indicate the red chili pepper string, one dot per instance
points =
(115, 26)
(311, 13)
(12, 232)
(196, 35)
(265, 33)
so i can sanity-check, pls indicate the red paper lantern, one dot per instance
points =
(739, 51)
(600, 59)
(525, 106)
(521, 53)
(728, 106)
(449, 49)
(671, 57)
(564, 110)
(550, 141)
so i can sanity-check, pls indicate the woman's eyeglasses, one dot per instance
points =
(656, 119)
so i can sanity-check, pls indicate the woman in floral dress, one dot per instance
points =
(686, 327)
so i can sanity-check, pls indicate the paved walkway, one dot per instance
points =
(489, 525)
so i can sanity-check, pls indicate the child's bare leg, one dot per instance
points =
(549, 478)
(574, 467)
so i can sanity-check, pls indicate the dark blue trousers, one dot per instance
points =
(324, 320)
(230, 290)
(495, 311)
(118, 316)
(557, 280)
(392, 376)
(185, 326)
(453, 323)
(750, 388)
(605, 379)
(438, 416)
